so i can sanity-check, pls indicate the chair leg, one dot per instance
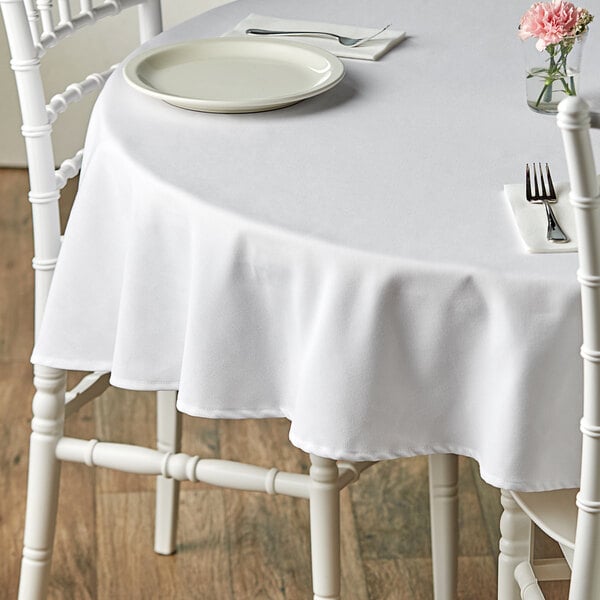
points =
(443, 505)
(168, 433)
(42, 483)
(515, 546)
(325, 528)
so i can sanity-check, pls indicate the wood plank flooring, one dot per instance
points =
(231, 545)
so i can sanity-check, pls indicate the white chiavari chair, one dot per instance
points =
(34, 26)
(570, 517)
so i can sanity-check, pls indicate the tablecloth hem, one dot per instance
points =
(105, 367)
(525, 486)
(70, 364)
(493, 480)
(306, 446)
(238, 413)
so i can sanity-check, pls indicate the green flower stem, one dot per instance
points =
(557, 72)
(542, 93)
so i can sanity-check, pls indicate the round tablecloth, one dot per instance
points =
(348, 262)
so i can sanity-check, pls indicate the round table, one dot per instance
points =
(349, 262)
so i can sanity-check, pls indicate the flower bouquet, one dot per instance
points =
(559, 29)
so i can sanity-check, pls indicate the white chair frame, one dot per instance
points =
(31, 30)
(570, 517)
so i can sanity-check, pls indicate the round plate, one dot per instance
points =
(231, 75)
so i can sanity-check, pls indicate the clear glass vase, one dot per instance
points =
(553, 73)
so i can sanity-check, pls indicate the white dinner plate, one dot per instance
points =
(231, 75)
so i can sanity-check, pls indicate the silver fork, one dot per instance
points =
(342, 39)
(540, 195)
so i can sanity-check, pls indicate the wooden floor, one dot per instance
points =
(232, 545)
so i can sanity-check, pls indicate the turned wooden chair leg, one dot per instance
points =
(515, 546)
(325, 528)
(168, 434)
(43, 482)
(443, 505)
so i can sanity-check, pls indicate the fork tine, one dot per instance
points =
(542, 184)
(552, 192)
(536, 188)
(528, 183)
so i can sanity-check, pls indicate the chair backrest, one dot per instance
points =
(32, 27)
(574, 120)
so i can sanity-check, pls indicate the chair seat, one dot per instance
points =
(555, 513)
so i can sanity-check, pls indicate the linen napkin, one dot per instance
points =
(531, 219)
(371, 50)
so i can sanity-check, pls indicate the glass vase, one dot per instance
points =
(553, 73)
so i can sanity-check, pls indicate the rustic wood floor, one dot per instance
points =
(232, 545)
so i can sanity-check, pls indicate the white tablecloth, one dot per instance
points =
(349, 262)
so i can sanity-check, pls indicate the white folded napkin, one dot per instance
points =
(371, 50)
(531, 219)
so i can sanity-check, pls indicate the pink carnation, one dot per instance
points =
(550, 22)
